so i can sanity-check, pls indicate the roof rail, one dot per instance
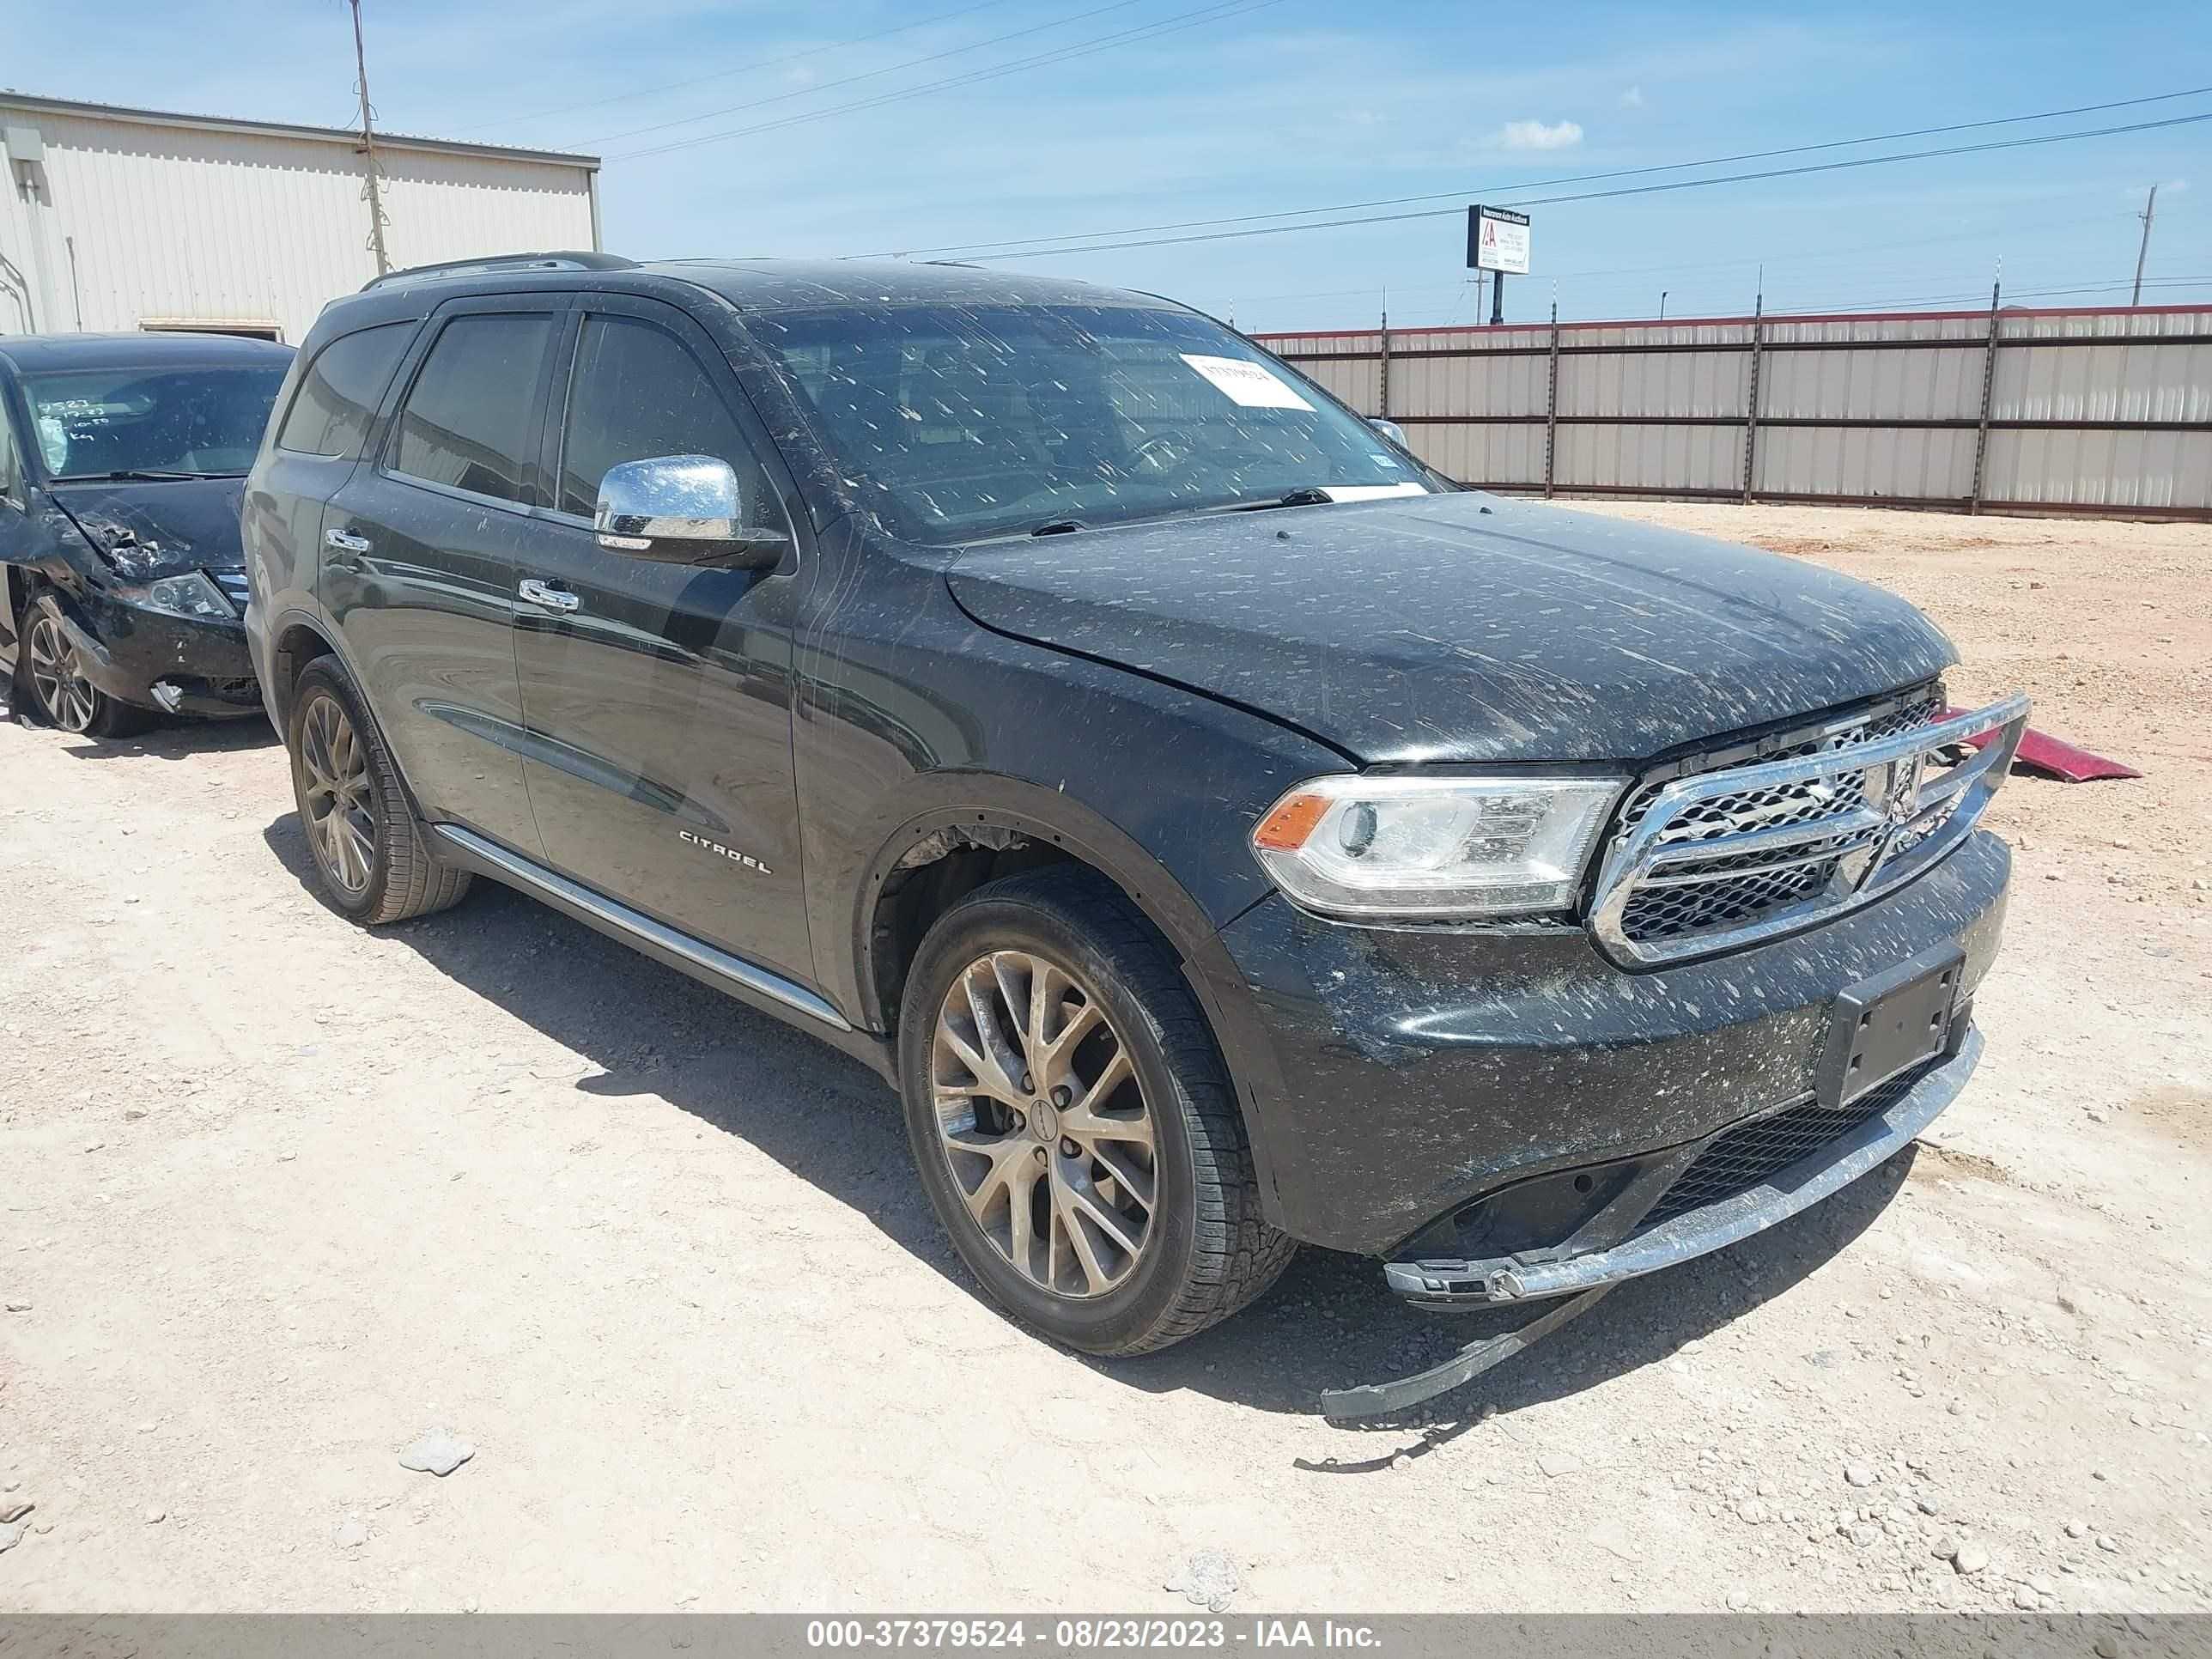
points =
(498, 262)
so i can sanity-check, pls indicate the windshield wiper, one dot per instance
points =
(137, 475)
(1304, 496)
(1308, 495)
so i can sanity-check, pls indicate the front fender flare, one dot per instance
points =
(954, 799)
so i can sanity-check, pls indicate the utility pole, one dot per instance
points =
(1662, 304)
(368, 149)
(2142, 251)
(1383, 363)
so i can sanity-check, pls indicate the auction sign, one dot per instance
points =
(1497, 240)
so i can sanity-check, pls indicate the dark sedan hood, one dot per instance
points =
(159, 528)
(1462, 627)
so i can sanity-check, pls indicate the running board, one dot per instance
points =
(657, 939)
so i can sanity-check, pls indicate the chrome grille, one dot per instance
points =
(1829, 819)
(1734, 887)
(233, 583)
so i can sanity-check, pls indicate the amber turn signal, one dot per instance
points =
(1285, 829)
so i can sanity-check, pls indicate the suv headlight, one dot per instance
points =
(189, 595)
(1436, 848)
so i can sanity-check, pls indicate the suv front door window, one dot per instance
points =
(657, 696)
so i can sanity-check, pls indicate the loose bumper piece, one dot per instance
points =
(1587, 1276)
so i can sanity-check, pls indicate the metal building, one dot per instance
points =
(134, 219)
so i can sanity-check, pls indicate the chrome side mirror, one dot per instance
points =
(682, 509)
(1389, 430)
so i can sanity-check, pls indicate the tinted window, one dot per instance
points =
(340, 392)
(201, 421)
(637, 393)
(958, 422)
(468, 420)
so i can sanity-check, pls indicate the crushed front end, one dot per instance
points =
(152, 593)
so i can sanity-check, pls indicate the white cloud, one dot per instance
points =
(1538, 134)
(1632, 99)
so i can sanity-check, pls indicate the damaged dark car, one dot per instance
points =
(1224, 830)
(122, 460)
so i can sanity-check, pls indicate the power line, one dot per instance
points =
(1475, 192)
(865, 74)
(1172, 24)
(740, 69)
(1984, 227)
(1605, 195)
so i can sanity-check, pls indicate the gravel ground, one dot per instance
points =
(282, 1198)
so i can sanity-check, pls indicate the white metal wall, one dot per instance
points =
(150, 221)
(2086, 410)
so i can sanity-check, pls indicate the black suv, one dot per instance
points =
(1224, 830)
(121, 458)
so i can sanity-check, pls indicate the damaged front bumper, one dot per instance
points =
(1615, 1248)
(157, 660)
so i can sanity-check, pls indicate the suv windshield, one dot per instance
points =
(957, 422)
(192, 422)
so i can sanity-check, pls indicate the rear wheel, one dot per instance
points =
(1071, 1121)
(54, 672)
(371, 860)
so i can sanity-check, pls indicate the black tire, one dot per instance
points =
(403, 879)
(1208, 1253)
(85, 709)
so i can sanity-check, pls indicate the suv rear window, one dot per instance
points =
(469, 420)
(341, 389)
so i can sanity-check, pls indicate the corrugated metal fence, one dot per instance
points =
(2103, 412)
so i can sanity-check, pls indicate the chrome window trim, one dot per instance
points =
(1637, 857)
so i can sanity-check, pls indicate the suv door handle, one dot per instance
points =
(345, 542)
(534, 592)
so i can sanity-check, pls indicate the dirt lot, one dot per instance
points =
(280, 1195)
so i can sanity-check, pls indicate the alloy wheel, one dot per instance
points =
(340, 824)
(68, 697)
(1044, 1123)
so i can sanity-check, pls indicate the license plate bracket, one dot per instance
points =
(1889, 1024)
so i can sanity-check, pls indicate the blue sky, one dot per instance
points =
(1266, 107)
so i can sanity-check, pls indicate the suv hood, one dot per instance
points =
(159, 528)
(1462, 627)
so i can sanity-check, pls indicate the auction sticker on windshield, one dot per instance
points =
(1250, 384)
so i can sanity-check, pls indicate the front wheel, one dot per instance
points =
(1071, 1121)
(59, 689)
